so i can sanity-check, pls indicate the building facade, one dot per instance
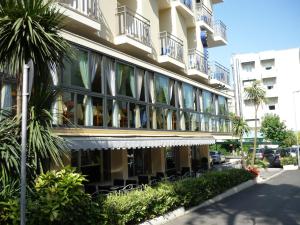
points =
(141, 97)
(279, 73)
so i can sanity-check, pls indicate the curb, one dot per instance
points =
(181, 211)
(260, 181)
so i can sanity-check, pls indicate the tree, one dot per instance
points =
(290, 139)
(29, 30)
(239, 128)
(273, 129)
(255, 94)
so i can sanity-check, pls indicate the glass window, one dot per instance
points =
(137, 116)
(96, 75)
(162, 89)
(80, 109)
(222, 106)
(160, 118)
(68, 108)
(170, 159)
(188, 96)
(76, 72)
(139, 162)
(172, 93)
(97, 111)
(117, 114)
(208, 102)
(170, 119)
(125, 80)
(8, 97)
(141, 84)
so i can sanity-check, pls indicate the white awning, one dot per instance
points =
(85, 143)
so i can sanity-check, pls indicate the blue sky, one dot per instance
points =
(257, 25)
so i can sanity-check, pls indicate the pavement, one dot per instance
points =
(276, 201)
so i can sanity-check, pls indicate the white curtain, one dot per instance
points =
(6, 98)
(152, 96)
(140, 79)
(109, 70)
(180, 101)
(57, 107)
(87, 101)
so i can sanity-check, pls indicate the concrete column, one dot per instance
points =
(158, 160)
(119, 164)
(204, 152)
(184, 157)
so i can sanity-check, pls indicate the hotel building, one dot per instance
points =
(142, 95)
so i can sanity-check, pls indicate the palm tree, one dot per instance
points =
(29, 30)
(255, 94)
(239, 128)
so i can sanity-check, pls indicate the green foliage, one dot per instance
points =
(288, 161)
(273, 129)
(290, 139)
(262, 163)
(239, 126)
(30, 30)
(139, 205)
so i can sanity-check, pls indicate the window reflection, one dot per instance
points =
(125, 80)
(68, 108)
(80, 109)
(97, 111)
(161, 89)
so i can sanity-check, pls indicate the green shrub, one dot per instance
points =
(288, 161)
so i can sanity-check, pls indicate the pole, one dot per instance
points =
(23, 145)
(295, 115)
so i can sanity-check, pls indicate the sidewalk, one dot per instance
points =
(268, 173)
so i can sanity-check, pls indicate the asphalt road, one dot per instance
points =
(275, 202)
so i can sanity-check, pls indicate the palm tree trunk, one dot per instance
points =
(255, 138)
(242, 152)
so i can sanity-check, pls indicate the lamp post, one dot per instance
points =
(296, 129)
(23, 145)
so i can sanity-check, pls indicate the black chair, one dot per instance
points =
(134, 182)
(143, 179)
(118, 182)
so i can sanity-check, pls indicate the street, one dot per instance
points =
(272, 203)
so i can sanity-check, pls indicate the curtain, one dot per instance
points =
(180, 101)
(132, 83)
(109, 71)
(119, 77)
(152, 96)
(140, 78)
(6, 98)
(87, 101)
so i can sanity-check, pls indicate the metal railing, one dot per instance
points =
(220, 29)
(171, 46)
(134, 25)
(187, 3)
(197, 61)
(220, 73)
(85, 7)
(204, 14)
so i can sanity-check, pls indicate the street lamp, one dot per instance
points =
(295, 116)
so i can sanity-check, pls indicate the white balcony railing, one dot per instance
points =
(85, 7)
(171, 46)
(134, 25)
(220, 73)
(204, 14)
(220, 29)
(197, 61)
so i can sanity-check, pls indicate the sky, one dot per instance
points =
(257, 25)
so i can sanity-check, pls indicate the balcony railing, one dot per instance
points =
(220, 29)
(204, 14)
(197, 61)
(220, 73)
(134, 25)
(85, 7)
(171, 46)
(187, 3)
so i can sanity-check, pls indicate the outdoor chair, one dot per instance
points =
(118, 182)
(130, 182)
(143, 179)
(160, 176)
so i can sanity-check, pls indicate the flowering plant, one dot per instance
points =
(253, 170)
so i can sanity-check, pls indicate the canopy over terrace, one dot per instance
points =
(100, 143)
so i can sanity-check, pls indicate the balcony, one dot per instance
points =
(81, 13)
(197, 64)
(163, 4)
(171, 50)
(216, 1)
(220, 33)
(185, 7)
(134, 30)
(219, 76)
(204, 17)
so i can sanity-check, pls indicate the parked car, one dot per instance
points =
(259, 153)
(272, 155)
(217, 157)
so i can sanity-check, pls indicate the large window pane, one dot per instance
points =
(162, 89)
(126, 80)
(117, 115)
(137, 116)
(170, 159)
(96, 78)
(222, 106)
(76, 72)
(141, 81)
(68, 108)
(97, 111)
(160, 118)
(208, 102)
(80, 110)
(188, 96)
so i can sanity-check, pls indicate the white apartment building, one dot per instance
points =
(279, 73)
(143, 94)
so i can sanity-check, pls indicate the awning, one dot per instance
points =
(85, 143)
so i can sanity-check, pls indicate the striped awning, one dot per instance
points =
(99, 143)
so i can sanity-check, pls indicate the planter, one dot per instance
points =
(290, 167)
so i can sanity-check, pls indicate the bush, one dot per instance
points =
(288, 161)
(139, 205)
